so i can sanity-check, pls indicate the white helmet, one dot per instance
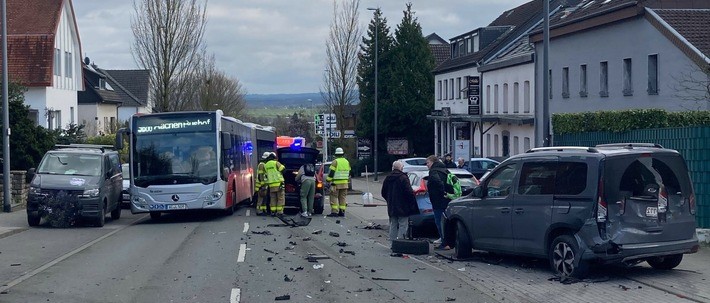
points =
(265, 155)
(339, 151)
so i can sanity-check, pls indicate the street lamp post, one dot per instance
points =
(377, 50)
(5, 115)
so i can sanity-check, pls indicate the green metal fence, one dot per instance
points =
(692, 142)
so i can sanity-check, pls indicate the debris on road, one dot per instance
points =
(318, 266)
(337, 221)
(334, 234)
(292, 243)
(448, 299)
(396, 255)
(341, 244)
(307, 239)
(269, 259)
(372, 225)
(297, 268)
(287, 279)
(317, 232)
(264, 232)
(283, 298)
(389, 279)
(295, 221)
(315, 258)
(624, 287)
(462, 269)
(15, 264)
(271, 251)
(342, 251)
(361, 290)
(290, 247)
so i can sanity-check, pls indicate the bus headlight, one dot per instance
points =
(217, 195)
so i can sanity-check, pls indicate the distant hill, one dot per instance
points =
(284, 100)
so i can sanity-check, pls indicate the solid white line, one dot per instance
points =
(246, 227)
(63, 257)
(236, 293)
(248, 212)
(242, 252)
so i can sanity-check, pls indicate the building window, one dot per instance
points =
(462, 49)
(505, 98)
(628, 85)
(57, 62)
(439, 94)
(54, 119)
(583, 80)
(488, 99)
(488, 145)
(516, 145)
(604, 79)
(653, 74)
(468, 45)
(565, 82)
(516, 97)
(549, 80)
(451, 89)
(458, 87)
(495, 145)
(34, 116)
(526, 97)
(495, 98)
(446, 89)
(69, 67)
(526, 144)
(71, 115)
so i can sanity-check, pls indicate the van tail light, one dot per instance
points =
(422, 188)
(662, 200)
(319, 185)
(601, 203)
(691, 203)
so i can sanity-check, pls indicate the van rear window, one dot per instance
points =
(627, 177)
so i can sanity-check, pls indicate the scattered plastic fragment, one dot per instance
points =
(334, 234)
(317, 232)
(283, 298)
(318, 266)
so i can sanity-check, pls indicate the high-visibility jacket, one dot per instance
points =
(339, 171)
(274, 177)
(260, 176)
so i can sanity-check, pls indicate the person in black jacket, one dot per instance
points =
(400, 201)
(436, 185)
(449, 162)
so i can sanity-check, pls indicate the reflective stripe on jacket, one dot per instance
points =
(273, 168)
(260, 177)
(339, 171)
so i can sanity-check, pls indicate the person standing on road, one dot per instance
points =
(436, 185)
(306, 177)
(448, 162)
(339, 177)
(400, 201)
(261, 186)
(275, 180)
(461, 163)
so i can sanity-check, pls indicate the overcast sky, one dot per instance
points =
(272, 46)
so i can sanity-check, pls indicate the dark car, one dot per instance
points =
(91, 174)
(479, 166)
(615, 203)
(292, 158)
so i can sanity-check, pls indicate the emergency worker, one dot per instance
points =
(275, 181)
(261, 186)
(338, 177)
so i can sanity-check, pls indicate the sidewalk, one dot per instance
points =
(13, 222)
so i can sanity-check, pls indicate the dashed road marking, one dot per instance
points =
(242, 253)
(236, 294)
(248, 212)
(246, 227)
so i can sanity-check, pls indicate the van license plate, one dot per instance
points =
(651, 211)
(184, 206)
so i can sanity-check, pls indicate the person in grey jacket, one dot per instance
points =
(400, 201)
(437, 187)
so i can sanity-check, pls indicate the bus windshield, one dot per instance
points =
(175, 154)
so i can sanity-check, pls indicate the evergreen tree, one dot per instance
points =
(366, 74)
(28, 141)
(411, 86)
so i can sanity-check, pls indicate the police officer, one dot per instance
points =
(275, 181)
(261, 186)
(338, 177)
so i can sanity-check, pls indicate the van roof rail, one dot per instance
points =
(88, 146)
(630, 145)
(563, 148)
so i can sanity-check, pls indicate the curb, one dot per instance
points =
(703, 236)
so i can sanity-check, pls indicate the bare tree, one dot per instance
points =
(693, 84)
(340, 77)
(219, 91)
(168, 41)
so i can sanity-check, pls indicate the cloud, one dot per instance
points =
(273, 46)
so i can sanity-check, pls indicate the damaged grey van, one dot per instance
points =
(576, 206)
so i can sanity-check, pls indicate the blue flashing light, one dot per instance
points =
(297, 143)
(248, 146)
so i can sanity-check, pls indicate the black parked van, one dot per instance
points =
(613, 203)
(91, 174)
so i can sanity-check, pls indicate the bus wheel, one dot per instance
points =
(155, 215)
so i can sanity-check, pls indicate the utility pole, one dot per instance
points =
(5, 117)
(377, 50)
(547, 137)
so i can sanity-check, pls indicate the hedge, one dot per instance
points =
(626, 120)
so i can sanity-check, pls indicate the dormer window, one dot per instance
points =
(102, 83)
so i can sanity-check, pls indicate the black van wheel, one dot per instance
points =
(463, 242)
(101, 217)
(116, 212)
(318, 207)
(32, 219)
(565, 257)
(665, 262)
(155, 215)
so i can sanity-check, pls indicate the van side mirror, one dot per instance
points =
(478, 191)
(226, 140)
(467, 192)
(119, 138)
(30, 174)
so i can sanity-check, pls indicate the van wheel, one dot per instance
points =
(116, 212)
(33, 220)
(318, 207)
(463, 242)
(565, 257)
(665, 262)
(101, 218)
(155, 215)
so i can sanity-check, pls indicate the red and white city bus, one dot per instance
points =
(191, 160)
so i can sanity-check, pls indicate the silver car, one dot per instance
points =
(413, 164)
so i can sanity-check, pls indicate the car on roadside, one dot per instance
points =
(293, 157)
(412, 164)
(479, 166)
(125, 194)
(88, 176)
(576, 206)
(423, 223)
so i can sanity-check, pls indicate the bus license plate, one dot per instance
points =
(651, 211)
(177, 206)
